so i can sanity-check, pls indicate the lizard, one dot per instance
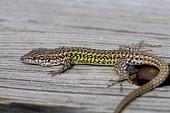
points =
(121, 58)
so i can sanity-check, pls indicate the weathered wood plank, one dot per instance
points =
(29, 24)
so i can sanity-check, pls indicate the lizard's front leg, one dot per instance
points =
(66, 64)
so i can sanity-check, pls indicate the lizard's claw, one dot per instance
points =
(54, 73)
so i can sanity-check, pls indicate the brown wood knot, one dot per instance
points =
(145, 73)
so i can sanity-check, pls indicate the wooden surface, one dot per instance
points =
(104, 24)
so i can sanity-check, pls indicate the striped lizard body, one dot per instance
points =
(120, 59)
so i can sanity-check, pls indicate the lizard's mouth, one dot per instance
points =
(26, 59)
(29, 61)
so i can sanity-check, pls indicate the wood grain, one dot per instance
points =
(104, 24)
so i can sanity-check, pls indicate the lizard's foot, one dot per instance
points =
(119, 80)
(144, 44)
(55, 72)
(66, 65)
(137, 47)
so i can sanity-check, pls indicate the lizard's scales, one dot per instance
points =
(118, 58)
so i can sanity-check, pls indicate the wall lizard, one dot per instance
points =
(125, 56)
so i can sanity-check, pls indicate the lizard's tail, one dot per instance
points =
(163, 74)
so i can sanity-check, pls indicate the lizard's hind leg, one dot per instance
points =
(137, 47)
(121, 69)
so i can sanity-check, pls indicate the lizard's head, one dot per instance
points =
(37, 56)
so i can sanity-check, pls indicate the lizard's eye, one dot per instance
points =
(34, 58)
